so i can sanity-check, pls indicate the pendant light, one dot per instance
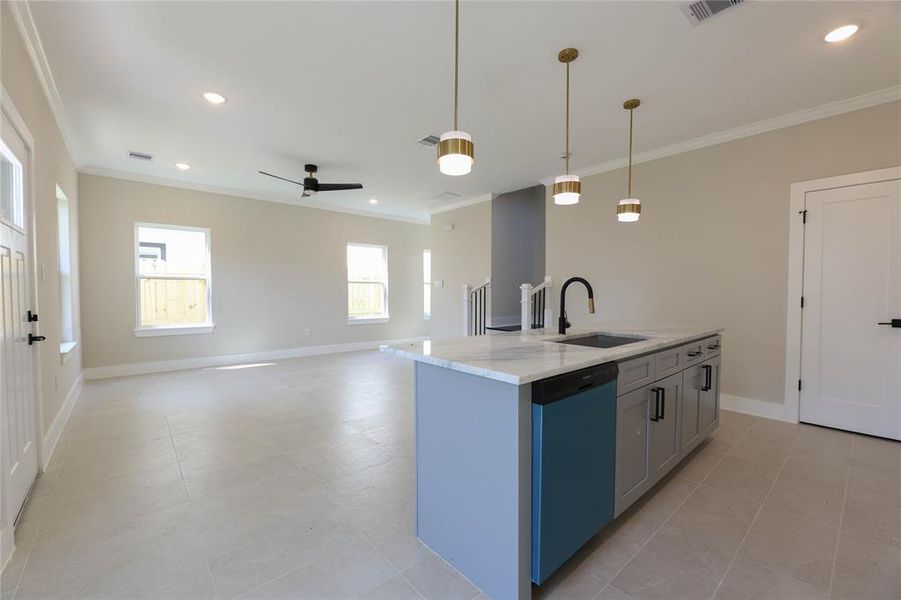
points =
(455, 148)
(629, 209)
(567, 188)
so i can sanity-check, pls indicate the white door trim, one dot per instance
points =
(799, 193)
(8, 107)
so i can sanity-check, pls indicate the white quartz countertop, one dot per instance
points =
(516, 357)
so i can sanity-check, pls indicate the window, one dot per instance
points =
(66, 327)
(12, 197)
(427, 284)
(367, 283)
(172, 265)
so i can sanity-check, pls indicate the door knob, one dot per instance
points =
(35, 338)
(896, 323)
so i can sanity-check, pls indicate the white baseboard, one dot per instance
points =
(758, 408)
(51, 438)
(232, 359)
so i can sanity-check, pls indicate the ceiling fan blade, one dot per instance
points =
(282, 178)
(337, 187)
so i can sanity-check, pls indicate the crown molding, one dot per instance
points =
(806, 115)
(222, 191)
(464, 203)
(25, 22)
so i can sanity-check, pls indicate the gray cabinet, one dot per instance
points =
(691, 408)
(663, 415)
(633, 470)
(709, 409)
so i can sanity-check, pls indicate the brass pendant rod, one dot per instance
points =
(567, 119)
(456, 62)
(631, 114)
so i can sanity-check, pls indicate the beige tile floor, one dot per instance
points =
(295, 480)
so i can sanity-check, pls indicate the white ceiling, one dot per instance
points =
(352, 85)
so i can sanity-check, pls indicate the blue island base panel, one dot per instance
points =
(573, 461)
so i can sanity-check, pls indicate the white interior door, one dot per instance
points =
(19, 450)
(851, 365)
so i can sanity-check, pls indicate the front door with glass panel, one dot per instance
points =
(20, 452)
(850, 350)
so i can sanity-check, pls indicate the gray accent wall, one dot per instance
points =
(517, 247)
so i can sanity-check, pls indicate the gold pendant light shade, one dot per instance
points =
(456, 152)
(629, 209)
(567, 188)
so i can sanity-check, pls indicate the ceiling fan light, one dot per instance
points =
(628, 210)
(455, 153)
(567, 189)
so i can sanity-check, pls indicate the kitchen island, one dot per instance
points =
(528, 443)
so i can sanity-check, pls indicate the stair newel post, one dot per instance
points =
(525, 307)
(467, 309)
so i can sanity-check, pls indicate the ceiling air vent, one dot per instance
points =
(430, 140)
(698, 12)
(139, 155)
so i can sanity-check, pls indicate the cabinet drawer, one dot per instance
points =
(694, 352)
(712, 346)
(635, 373)
(668, 362)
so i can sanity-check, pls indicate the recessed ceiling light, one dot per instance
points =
(841, 33)
(182, 166)
(373, 201)
(214, 98)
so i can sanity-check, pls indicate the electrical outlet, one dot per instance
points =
(306, 331)
(43, 272)
(438, 284)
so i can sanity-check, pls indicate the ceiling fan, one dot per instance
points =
(311, 184)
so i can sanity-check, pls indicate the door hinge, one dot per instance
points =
(802, 301)
(803, 214)
(799, 385)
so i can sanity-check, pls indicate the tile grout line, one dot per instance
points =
(841, 515)
(754, 520)
(669, 516)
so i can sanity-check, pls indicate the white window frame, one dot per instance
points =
(157, 330)
(427, 283)
(67, 341)
(367, 320)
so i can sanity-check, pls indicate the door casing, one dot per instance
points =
(799, 191)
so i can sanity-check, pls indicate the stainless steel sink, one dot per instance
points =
(601, 340)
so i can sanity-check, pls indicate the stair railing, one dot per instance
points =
(476, 308)
(535, 312)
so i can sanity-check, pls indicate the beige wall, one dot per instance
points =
(712, 243)
(53, 166)
(460, 256)
(276, 270)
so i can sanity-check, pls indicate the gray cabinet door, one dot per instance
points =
(633, 473)
(692, 378)
(710, 395)
(665, 424)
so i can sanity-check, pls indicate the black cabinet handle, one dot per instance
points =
(894, 323)
(713, 347)
(35, 338)
(662, 403)
(656, 416)
(694, 354)
(708, 377)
